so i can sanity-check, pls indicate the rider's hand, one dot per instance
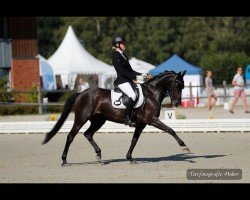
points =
(146, 76)
(135, 81)
(149, 76)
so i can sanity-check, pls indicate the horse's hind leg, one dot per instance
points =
(158, 124)
(96, 124)
(75, 129)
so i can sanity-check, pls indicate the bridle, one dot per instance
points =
(169, 92)
(172, 87)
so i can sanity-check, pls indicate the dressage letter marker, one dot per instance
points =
(170, 115)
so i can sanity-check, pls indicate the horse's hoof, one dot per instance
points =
(186, 150)
(133, 162)
(98, 158)
(64, 164)
(104, 162)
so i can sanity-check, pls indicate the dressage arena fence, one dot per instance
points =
(179, 125)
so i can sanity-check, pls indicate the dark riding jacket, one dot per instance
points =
(124, 71)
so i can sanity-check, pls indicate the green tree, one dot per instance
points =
(220, 43)
(47, 28)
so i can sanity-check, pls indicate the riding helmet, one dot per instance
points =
(118, 39)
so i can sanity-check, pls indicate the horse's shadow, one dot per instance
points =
(177, 157)
(188, 157)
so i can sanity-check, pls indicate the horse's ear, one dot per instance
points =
(183, 73)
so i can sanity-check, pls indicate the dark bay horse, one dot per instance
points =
(94, 104)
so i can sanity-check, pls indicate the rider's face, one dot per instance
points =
(122, 46)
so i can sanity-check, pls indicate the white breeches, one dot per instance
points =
(128, 90)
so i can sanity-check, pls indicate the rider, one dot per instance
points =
(125, 75)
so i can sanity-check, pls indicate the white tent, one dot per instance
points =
(136, 64)
(47, 74)
(71, 58)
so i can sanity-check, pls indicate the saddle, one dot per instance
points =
(119, 98)
(124, 98)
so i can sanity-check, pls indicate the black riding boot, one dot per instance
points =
(129, 109)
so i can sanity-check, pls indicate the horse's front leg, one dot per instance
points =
(137, 133)
(158, 124)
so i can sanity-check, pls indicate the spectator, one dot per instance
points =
(238, 90)
(211, 96)
(83, 85)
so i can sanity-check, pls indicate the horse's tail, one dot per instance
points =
(70, 102)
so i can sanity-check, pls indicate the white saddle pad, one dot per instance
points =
(115, 96)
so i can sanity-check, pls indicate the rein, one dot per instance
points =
(165, 93)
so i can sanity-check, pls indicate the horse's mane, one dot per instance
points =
(157, 77)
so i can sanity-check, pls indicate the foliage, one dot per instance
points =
(33, 94)
(18, 110)
(46, 32)
(5, 95)
(217, 43)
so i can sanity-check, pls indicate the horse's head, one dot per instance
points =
(170, 84)
(175, 89)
